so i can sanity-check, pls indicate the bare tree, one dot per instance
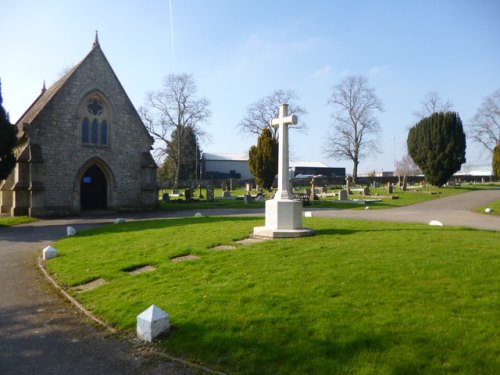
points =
(484, 127)
(356, 130)
(260, 113)
(175, 108)
(432, 103)
(407, 167)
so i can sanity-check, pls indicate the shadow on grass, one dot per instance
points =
(296, 347)
(340, 231)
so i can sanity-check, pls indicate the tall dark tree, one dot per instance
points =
(356, 129)
(188, 150)
(437, 145)
(8, 142)
(496, 161)
(263, 159)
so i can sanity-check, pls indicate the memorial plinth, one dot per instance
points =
(283, 214)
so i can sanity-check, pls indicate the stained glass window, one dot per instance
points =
(85, 130)
(104, 133)
(94, 123)
(95, 126)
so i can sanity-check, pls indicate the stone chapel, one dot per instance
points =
(82, 146)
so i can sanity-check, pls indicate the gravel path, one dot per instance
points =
(42, 334)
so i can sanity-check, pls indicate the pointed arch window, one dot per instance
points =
(94, 123)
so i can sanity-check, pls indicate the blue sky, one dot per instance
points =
(240, 51)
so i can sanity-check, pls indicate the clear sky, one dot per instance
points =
(241, 51)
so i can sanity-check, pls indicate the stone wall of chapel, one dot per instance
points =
(58, 130)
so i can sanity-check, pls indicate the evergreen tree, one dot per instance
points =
(263, 159)
(8, 142)
(437, 145)
(496, 161)
(188, 152)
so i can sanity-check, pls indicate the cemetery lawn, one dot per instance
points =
(358, 298)
(16, 220)
(495, 206)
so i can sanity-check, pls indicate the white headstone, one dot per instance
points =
(70, 231)
(436, 223)
(151, 323)
(308, 214)
(488, 210)
(119, 220)
(49, 252)
(198, 214)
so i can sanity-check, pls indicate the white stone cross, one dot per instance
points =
(282, 123)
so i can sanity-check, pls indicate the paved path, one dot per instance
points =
(453, 210)
(42, 334)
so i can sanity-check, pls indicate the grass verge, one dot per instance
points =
(359, 297)
(16, 220)
(495, 206)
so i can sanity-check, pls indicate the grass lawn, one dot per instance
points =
(403, 199)
(357, 298)
(16, 220)
(495, 206)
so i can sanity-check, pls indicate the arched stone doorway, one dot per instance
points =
(93, 189)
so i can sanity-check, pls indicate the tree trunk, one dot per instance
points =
(354, 172)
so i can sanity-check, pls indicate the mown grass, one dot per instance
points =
(358, 298)
(495, 206)
(16, 220)
(403, 198)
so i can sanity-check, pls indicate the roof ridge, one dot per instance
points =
(43, 99)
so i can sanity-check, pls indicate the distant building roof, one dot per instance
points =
(475, 170)
(308, 164)
(223, 156)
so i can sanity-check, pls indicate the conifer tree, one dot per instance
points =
(437, 145)
(496, 161)
(263, 159)
(8, 142)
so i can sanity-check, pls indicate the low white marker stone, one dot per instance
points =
(436, 223)
(308, 214)
(70, 231)
(119, 220)
(488, 210)
(367, 208)
(198, 214)
(49, 252)
(152, 322)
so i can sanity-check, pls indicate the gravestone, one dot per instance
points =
(187, 194)
(347, 182)
(312, 195)
(283, 213)
(151, 323)
(119, 220)
(390, 188)
(343, 195)
(210, 193)
(70, 231)
(226, 194)
(366, 190)
(248, 187)
(165, 197)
